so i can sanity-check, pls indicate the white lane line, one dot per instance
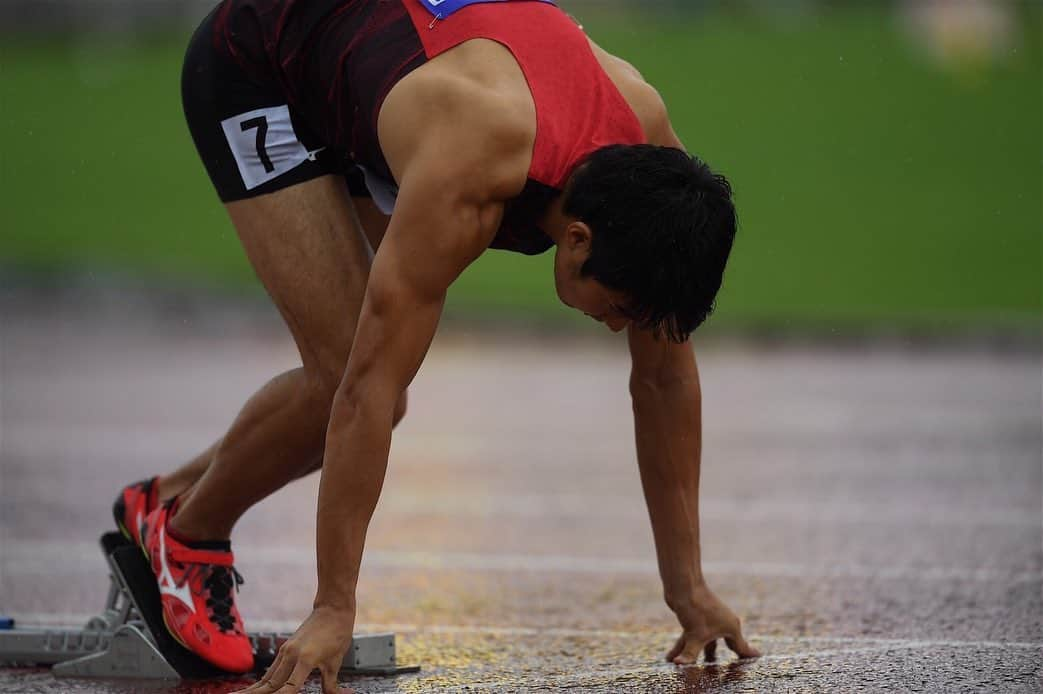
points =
(866, 643)
(612, 634)
(38, 558)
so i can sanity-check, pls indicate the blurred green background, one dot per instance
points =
(888, 163)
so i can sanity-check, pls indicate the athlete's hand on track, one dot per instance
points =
(320, 643)
(704, 620)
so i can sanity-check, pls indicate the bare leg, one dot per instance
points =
(181, 480)
(308, 249)
(374, 224)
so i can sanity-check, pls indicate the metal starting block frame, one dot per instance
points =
(129, 639)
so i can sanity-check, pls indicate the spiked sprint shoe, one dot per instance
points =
(197, 586)
(134, 503)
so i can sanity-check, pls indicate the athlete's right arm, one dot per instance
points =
(453, 183)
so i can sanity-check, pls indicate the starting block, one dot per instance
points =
(129, 640)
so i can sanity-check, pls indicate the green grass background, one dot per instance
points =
(874, 187)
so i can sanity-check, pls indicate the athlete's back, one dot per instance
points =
(337, 60)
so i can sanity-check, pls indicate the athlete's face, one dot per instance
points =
(585, 293)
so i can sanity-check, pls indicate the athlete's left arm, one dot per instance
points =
(667, 404)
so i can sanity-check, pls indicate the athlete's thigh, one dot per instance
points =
(307, 247)
(284, 190)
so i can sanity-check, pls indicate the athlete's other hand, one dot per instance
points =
(705, 619)
(320, 643)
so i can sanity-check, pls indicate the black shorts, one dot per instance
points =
(251, 140)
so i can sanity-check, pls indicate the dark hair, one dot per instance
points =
(663, 225)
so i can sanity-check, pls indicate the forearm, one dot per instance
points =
(357, 445)
(667, 422)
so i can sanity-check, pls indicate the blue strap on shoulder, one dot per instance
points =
(441, 9)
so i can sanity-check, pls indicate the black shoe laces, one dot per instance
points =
(219, 583)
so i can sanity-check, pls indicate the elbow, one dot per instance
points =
(646, 393)
(643, 386)
(657, 385)
(348, 404)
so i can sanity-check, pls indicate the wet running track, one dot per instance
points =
(873, 515)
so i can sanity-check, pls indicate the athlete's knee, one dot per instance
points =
(322, 385)
(324, 364)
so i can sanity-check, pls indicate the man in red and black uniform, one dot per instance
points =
(368, 151)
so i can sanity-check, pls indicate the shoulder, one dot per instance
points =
(473, 133)
(643, 98)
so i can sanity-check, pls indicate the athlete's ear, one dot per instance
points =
(578, 239)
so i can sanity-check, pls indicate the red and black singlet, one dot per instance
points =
(336, 61)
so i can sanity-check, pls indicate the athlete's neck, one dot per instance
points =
(554, 221)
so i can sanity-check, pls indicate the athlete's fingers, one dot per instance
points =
(710, 651)
(258, 687)
(262, 685)
(676, 650)
(742, 649)
(277, 673)
(273, 669)
(297, 678)
(329, 677)
(689, 655)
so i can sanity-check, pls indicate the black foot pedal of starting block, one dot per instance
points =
(131, 569)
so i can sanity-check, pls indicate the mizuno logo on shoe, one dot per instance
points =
(167, 585)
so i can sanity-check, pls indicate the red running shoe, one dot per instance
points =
(135, 502)
(197, 586)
